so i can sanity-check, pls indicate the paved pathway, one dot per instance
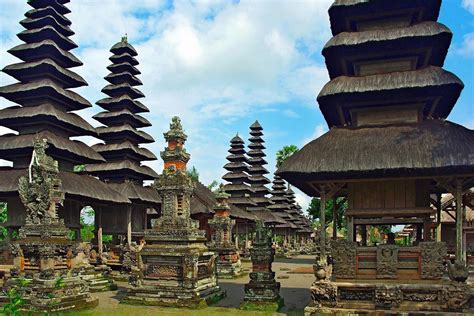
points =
(294, 290)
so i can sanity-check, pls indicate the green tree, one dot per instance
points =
(213, 185)
(3, 219)
(341, 206)
(285, 153)
(87, 224)
(194, 174)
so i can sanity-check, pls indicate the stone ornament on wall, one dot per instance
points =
(387, 260)
(388, 296)
(344, 258)
(433, 256)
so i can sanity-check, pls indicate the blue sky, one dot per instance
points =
(221, 65)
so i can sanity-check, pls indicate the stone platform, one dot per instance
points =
(375, 297)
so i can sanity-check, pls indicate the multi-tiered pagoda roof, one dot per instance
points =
(45, 103)
(237, 175)
(121, 119)
(388, 98)
(257, 170)
(280, 205)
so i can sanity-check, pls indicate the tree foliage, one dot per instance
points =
(193, 173)
(3, 219)
(285, 153)
(213, 185)
(341, 206)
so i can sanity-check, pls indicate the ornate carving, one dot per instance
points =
(387, 259)
(324, 293)
(458, 271)
(344, 258)
(387, 296)
(356, 295)
(421, 297)
(163, 271)
(432, 259)
(456, 296)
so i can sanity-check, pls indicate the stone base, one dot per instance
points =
(173, 296)
(375, 297)
(264, 306)
(98, 280)
(50, 296)
(227, 270)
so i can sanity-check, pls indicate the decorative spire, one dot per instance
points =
(120, 133)
(43, 91)
(237, 175)
(175, 154)
(257, 170)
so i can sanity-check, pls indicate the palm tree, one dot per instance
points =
(285, 153)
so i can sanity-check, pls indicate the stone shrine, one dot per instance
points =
(228, 258)
(262, 292)
(173, 265)
(45, 275)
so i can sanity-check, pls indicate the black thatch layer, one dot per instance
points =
(47, 48)
(14, 146)
(431, 83)
(137, 193)
(48, 11)
(17, 118)
(344, 13)
(237, 176)
(430, 148)
(427, 41)
(120, 134)
(58, 5)
(257, 170)
(78, 186)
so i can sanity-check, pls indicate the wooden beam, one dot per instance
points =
(322, 218)
(129, 224)
(459, 222)
(387, 221)
(99, 232)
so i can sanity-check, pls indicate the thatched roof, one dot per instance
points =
(122, 102)
(343, 12)
(16, 117)
(48, 11)
(114, 132)
(23, 71)
(126, 146)
(430, 148)
(347, 48)
(18, 145)
(82, 187)
(124, 115)
(268, 217)
(45, 33)
(44, 89)
(122, 59)
(123, 166)
(449, 216)
(29, 52)
(433, 82)
(113, 90)
(120, 77)
(38, 22)
(137, 193)
(58, 5)
(123, 47)
(202, 200)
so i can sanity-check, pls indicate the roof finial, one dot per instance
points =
(125, 38)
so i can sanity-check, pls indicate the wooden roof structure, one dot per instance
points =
(122, 139)
(257, 170)
(237, 175)
(46, 104)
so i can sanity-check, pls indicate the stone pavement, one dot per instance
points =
(294, 290)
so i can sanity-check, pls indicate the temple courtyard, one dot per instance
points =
(295, 276)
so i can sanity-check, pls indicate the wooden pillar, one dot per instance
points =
(237, 235)
(246, 236)
(322, 218)
(363, 232)
(334, 218)
(438, 216)
(426, 230)
(459, 222)
(129, 224)
(350, 228)
(419, 232)
(99, 232)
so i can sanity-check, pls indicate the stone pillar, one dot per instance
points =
(460, 255)
(350, 228)
(237, 236)
(334, 218)
(99, 232)
(129, 224)
(322, 218)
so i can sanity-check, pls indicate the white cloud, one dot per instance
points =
(318, 131)
(210, 62)
(468, 5)
(302, 199)
(467, 46)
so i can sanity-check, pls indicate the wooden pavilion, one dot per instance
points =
(390, 151)
(121, 149)
(45, 110)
